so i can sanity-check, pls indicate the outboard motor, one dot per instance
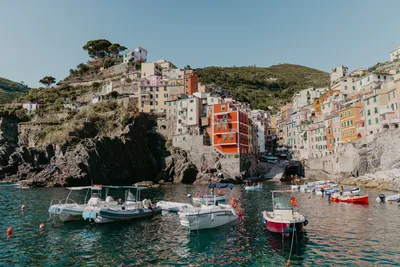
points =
(381, 198)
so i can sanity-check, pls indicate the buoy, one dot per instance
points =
(240, 214)
(23, 207)
(42, 226)
(9, 231)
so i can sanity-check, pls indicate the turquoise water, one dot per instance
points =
(338, 234)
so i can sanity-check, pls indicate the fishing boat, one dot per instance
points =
(131, 209)
(172, 206)
(209, 216)
(253, 187)
(69, 210)
(350, 199)
(283, 218)
(388, 199)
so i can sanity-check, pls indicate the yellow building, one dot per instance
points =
(349, 117)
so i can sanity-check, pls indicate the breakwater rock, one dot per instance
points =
(385, 180)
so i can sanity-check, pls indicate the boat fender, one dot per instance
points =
(305, 222)
(234, 203)
(382, 197)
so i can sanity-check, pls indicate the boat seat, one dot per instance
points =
(283, 214)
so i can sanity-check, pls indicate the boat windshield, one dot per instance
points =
(282, 203)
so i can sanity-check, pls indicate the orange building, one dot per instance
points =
(191, 83)
(318, 101)
(349, 117)
(330, 139)
(230, 129)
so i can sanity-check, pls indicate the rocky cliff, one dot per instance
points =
(369, 163)
(133, 156)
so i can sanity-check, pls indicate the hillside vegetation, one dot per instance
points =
(263, 87)
(10, 90)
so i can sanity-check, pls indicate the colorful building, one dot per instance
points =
(229, 129)
(191, 82)
(349, 117)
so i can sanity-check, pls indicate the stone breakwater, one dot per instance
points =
(385, 180)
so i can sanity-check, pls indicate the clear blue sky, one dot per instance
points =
(39, 38)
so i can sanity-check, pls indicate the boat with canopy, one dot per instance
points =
(214, 196)
(209, 216)
(131, 208)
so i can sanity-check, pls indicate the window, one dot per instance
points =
(375, 110)
(349, 112)
(223, 107)
(329, 105)
(376, 120)
(368, 112)
(157, 89)
(224, 126)
(369, 122)
(156, 103)
(186, 86)
(151, 103)
(392, 106)
(180, 104)
(184, 138)
(231, 136)
(165, 102)
(394, 94)
(218, 126)
(345, 87)
(374, 99)
(156, 95)
(354, 88)
(389, 97)
(165, 88)
(367, 101)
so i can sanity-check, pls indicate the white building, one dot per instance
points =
(30, 107)
(137, 54)
(149, 69)
(165, 64)
(346, 85)
(107, 88)
(371, 80)
(259, 118)
(305, 97)
(188, 115)
(395, 54)
(339, 72)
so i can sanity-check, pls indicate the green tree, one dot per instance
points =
(115, 49)
(82, 68)
(187, 67)
(97, 48)
(47, 80)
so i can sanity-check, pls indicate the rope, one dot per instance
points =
(291, 245)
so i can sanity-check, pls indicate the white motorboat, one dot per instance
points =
(69, 210)
(131, 209)
(209, 216)
(295, 187)
(172, 206)
(388, 199)
(208, 199)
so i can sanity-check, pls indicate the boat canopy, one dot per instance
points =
(219, 185)
(124, 187)
(76, 188)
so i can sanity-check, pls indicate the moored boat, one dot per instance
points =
(388, 199)
(253, 187)
(131, 209)
(350, 199)
(283, 218)
(68, 210)
(172, 206)
(209, 216)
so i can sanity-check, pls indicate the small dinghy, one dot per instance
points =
(172, 206)
(350, 199)
(253, 187)
(388, 199)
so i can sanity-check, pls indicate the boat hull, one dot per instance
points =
(355, 200)
(172, 206)
(284, 228)
(207, 219)
(252, 188)
(108, 215)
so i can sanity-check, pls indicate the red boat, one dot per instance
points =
(348, 199)
(283, 219)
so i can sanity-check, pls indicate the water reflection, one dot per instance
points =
(339, 234)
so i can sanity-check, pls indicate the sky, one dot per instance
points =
(45, 37)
